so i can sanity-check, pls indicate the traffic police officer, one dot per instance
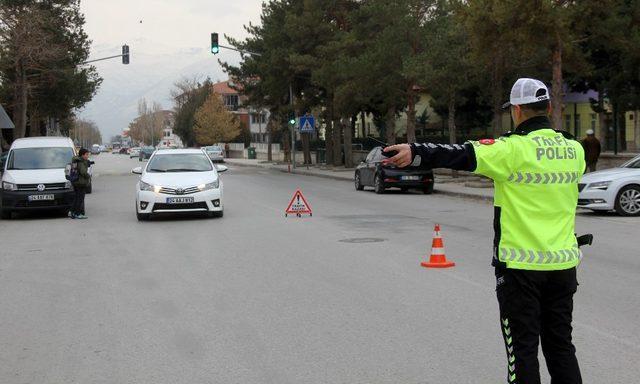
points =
(535, 172)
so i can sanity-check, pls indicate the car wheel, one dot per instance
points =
(404, 189)
(5, 214)
(628, 201)
(358, 182)
(378, 184)
(143, 216)
(428, 189)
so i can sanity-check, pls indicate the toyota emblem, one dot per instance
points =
(179, 191)
(41, 187)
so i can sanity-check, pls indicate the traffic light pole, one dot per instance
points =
(104, 58)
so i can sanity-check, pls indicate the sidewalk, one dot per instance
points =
(466, 186)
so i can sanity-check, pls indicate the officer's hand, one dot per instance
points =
(403, 157)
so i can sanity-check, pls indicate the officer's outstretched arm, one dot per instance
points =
(429, 155)
(488, 157)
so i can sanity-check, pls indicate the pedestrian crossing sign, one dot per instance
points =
(307, 123)
(298, 205)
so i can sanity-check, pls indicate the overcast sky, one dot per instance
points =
(168, 39)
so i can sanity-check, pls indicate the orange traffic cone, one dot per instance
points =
(437, 258)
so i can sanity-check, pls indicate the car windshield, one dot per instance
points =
(182, 162)
(40, 158)
(633, 163)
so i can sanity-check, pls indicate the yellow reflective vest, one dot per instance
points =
(536, 193)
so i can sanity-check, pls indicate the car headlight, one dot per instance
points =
(68, 185)
(7, 186)
(146, 186)
(206, 187)
(603, 185)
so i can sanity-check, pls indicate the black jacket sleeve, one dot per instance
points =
(453, 156)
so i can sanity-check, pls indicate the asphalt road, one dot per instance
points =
(255, 297)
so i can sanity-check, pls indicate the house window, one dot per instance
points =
(258, 118)
(231, 101)
(577, 123)
(593, 121)
(567, 123)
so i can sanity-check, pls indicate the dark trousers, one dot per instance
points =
(537, 306)
(591, 167)
(78, 200)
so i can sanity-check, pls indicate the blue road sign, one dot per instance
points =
(307, 123)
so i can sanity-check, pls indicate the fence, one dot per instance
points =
(264, 147)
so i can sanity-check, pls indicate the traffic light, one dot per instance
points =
(292, 120)
(125, 54)
(215, 47)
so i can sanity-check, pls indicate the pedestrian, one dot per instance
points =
(535, 172)
(592, 148)
(81, 184)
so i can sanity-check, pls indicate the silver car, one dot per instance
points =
(215, 153)
(614, 189)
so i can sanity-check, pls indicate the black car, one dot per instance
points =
(371, 173)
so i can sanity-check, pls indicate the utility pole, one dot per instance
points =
(293, 131)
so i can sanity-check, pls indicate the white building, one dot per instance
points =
(169, 139)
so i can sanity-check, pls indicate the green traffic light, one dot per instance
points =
(292, 121)
(215, 50)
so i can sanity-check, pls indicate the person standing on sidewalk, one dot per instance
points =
(80, 185)
(592, 148)
(535, 172)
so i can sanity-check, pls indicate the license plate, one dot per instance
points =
(179, 200)
(410, 178)
(40, 197)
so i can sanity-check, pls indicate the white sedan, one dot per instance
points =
(612, 189)
(179, 180)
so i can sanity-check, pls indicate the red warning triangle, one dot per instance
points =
(298, 205)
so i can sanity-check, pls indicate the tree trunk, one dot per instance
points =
(21, 100)
(348, 133)
(34, 124)
(636, 131)
(452, 125)
(497, 96)
(556, 91)
(411, 114)
(337, 142)
(328, 141)
(306, 148)
(390, 128)
(270, 139)
(286, 145)
(601, 132)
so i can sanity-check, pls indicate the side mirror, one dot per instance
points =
(137, 171)
(221, 168)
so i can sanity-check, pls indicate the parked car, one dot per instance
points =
(615, 189)
(34, 178)
(145, 153)
(371, 173)
(134, 152)
(215, 153)
(179, 180)
(95, 149)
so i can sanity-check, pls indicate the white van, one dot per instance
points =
(33, 177)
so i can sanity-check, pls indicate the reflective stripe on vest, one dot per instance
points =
(544, 178)
(540, 257)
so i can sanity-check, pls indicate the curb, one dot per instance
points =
(437, 191)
